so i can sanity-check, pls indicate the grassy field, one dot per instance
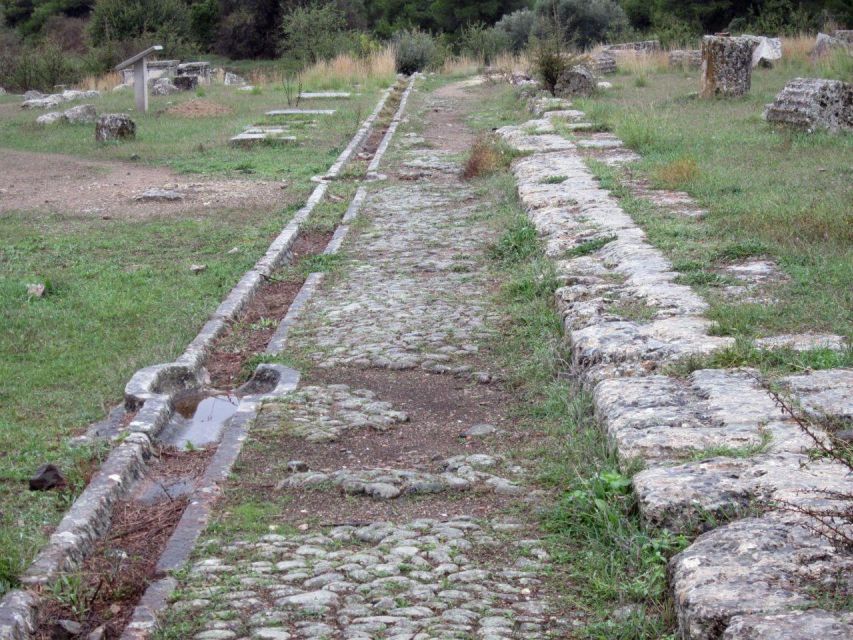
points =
(771, 193)
(120, 295)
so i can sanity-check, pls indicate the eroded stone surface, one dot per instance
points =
(752, 566)
(802, 625)
(726, 66)
(813, 104)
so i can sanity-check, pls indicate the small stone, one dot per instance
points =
(198, 268)
(381, 490)
(479, 430)
(98, 634)
(271, 633)
(158, 195)
(49, 118)
(297, 466)
(66, 629)
(46, 477)
(36, 290)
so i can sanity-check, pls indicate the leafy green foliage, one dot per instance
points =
(167, 21)
(583, 23)
(313, 33)
(414, 51)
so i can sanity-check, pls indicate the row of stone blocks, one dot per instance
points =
(755, 571)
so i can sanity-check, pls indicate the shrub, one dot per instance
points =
(40, 68)
(204, 18)
(414, 51)
(483, 43)
(314, 33)
(488, 155)
(248, 28)
(518, 26)
(548, 63)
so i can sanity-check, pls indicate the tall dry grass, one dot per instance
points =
(639, 63)
(460, 66)
(105, 82)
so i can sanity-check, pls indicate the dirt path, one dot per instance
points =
(67, 185)
(400, 510)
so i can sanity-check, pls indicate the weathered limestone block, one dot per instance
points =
(767, 51)
(162, 87)
(753, 566)
(185, 83)
(577, 81)
(814, 624)
(682, 497)
(726, 66)
(49, 118)
(643, 46)
(83, 113)
(826, 44)
(603, 63)
(233, 79)
(685, 58)
(114, 126)
(201, 70)
(844, 35)
(828, 392)
(812, 104)
(661, 420)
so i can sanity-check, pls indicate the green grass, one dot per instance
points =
(200, 145)
(771, 192)
(121, 297)
(604, 557)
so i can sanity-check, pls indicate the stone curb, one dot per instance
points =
(150, 391)
(742, 575)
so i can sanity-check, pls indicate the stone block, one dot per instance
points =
(81, 114)
(603, 63)
(726, 66)
(577, 81)
(115, 126)
(162, 87)
(813, 104)
(185, 83)
(685, 58)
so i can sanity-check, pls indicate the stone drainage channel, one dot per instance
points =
(169, 407)
(720, 458)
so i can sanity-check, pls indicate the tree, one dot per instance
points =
(583, 23)
(314, 32)
(123, 20)
(249, 28)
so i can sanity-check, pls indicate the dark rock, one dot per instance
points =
(577, 81)
(114, 126)
(65, 630)
(297, 466)
(185, 83)
(46, 477)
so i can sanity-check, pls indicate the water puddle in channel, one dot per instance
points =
(198, 420)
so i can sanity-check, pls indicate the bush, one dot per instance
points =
(549, 63)
(315, 33)
(41, 68)
(204, 18)
(584, 23)
(483, 43)
(518, 26)
(167, 21)
(414, 51)
(489, 155)
(248, 29)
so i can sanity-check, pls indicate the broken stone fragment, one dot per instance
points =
(813, 104)
(49, 118)
(198, 268)
(297, 466)
(46, 477)
(82, 113)
(479, 430)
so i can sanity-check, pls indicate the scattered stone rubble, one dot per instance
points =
(719, 454)
(726, 66)
(813, 104)
(37, 100)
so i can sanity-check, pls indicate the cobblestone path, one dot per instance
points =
(374, 502)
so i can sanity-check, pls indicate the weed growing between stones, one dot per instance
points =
(488, 156)
(617, 568)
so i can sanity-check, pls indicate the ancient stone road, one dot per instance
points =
(399, 524)
(412, 300)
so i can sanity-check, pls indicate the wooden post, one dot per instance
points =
(140, 84)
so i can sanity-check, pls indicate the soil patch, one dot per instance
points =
(64, 185)
(198, 108)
